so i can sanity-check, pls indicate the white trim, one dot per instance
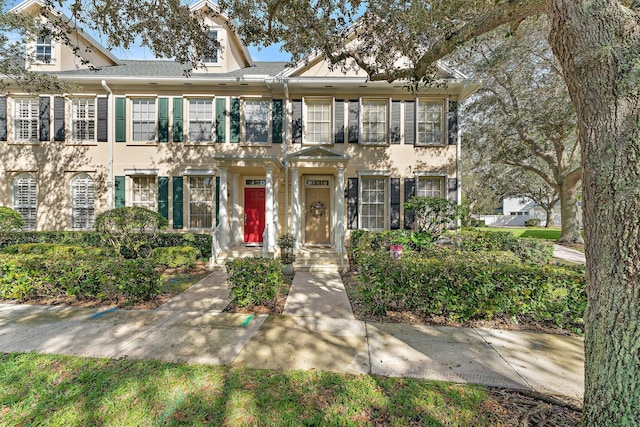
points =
(140, 172)
(199, 172)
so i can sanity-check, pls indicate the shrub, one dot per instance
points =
(175, 256)
(254, 280)
(530, 250)
(433, 214)
(286, 243)
(10, 220)
(466, 288)
(130, 230)
(533, 222)
(199, 241)
(53, 249)
(533, 251)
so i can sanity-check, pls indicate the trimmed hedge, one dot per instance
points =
(76, 273)
(54, 249)
(473, 287)
(175, 256)
(530, 250)
(254, 281)
(202, 242)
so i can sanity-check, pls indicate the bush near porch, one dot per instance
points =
(477, 276)
(254, 281)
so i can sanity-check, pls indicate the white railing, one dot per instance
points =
(215, 244)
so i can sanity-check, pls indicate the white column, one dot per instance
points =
(222, 211)
(276, 207)
(236, 236)
(339, 231)
(295, 206)
(268, 216)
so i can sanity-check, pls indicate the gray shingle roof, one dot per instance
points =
(165, 68)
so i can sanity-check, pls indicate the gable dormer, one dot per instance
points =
(45, 53)
(232, 54)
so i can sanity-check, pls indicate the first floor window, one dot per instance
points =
(201, 201)
(429, 187)
(200, 120)
(82, 202)
(318, 124)
(374, 121)
(256, 120)
(26, 119)
(144, 119)
(372, 208)
(429, 123)
(83, 118)
(143, 191)
(24, 199)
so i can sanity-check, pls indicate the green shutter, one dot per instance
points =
(163, 119)
(121, 120)
(178, 135)
(163, 196)
(221, 119)
(217, 200)
(177, 202)
(119, 191)
(234, 118)
(276, 124)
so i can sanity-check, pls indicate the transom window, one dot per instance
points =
(201, 201)
(318, 123)
(44, 48)
(24, 199)
(26, 119)
(83, 118)
(374, 121)
(373, 202)
(143, 191)
(429, 123)
(144, 119)
(200, 120)
(256, 120)
(429, 187)
(82, 202)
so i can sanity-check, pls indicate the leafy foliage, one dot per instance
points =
(533, 222)
(10, 220)
(286, 243)
(433, 214)
(175, 256)
(254, 281)
(130, 230)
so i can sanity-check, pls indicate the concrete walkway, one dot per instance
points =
(318, 331)
(569, 254)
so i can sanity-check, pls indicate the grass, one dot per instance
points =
(73, 391)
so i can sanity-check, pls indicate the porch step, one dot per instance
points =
(309, 260)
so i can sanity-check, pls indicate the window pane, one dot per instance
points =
(429, 187)
(82, 202)
(143, 191)
(373, 203)
(83, 117)
(374, 121)
(201, 201)
(26, 119)
(256, 120)
(318, 123)
(211, 56)
(429, 123)
(200, 120)
(24, 199)
(144, 119)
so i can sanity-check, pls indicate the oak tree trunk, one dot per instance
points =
(569, 213)
(597, 43)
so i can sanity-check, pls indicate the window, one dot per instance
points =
(83, 119)
(256, 120)
(212, 55)
(200, 201)
(24, 199)
(26, 119)
(373, 192)
(374, 121)
(200, 120)
(144, 119)
(82, 202)
(429, 187)
(44, 48)
(318, 124)
(429, 123)
(143, 191)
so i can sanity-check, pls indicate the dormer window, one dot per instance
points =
(44, 48)
(212, 56)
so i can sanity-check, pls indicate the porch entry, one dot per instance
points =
(317, 211)
(254, 214)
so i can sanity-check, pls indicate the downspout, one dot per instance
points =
(110, 138)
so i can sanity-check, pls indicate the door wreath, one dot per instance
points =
(317, 209)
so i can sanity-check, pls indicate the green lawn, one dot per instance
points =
(74, 391)
(537, 232)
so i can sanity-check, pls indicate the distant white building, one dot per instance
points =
(517, 210)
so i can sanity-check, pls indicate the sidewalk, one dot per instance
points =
(569, 254)
(317, 331)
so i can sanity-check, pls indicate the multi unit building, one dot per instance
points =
(242, 149)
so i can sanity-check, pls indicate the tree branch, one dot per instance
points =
(535, 170)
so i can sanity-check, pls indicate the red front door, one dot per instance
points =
(254, 210)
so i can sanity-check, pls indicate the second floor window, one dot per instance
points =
(256, 120)
(200, 120)
(83, 117)
(143, 119)
(374, 121)
(26, 119)
(318, 123)
(429, 123)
